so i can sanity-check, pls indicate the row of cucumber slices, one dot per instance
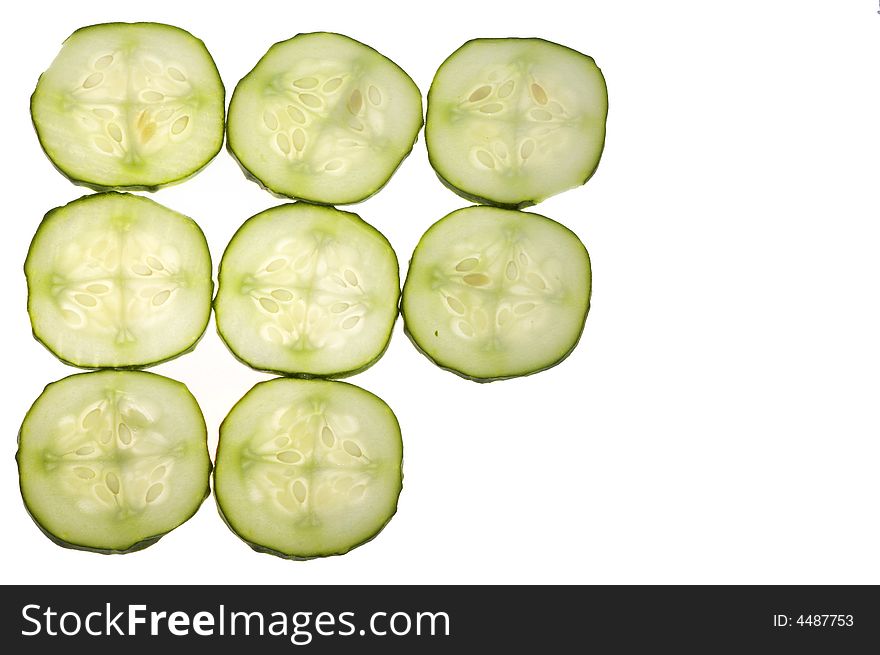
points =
(111, 461)
(321, 117)
(116, 280)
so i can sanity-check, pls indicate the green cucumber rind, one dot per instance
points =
(479, 200)
(302, 557)
(439, 363)
(311, 376)
(127, 367)
(482, 380)
(482, 200)
(298, 374)
(313, 201)
(97, 186)
(230, 147)
(140, 544)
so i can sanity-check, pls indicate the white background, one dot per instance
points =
(718, 421)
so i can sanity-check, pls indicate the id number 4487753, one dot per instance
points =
(813, 620)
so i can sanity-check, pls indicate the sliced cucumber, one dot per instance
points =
(111, 461)
(130, 105)
(323, 118)
(307, 291)
(514, 121)
(308, 468)
(116, 280)
(493, 293)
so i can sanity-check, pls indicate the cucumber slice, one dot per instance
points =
(113, 460)
(130, 105)
(514, 121)
(323, 118)
(307, 291)
(116, 280)
(308, 468)
(494, 293)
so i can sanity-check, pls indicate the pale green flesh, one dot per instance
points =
(307, 468)
(110, 459)
(307, 290)
(494, 293)
(514, 121)
(118, 280)
(324, 118)
(130, 105)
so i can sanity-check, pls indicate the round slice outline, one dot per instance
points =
(288, 134)
(468, 280)
(112, 137)
(81, 457)
(343, 296)
(92, 293)
(490, 98)
(338, 448)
